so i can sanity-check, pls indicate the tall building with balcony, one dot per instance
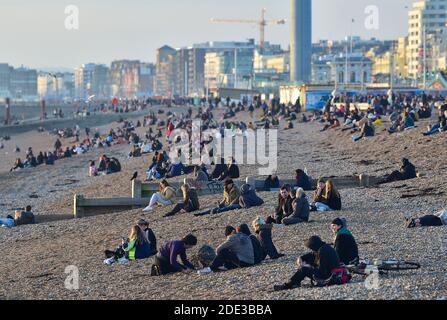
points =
(147, 78)
(23, 84)
(229, 69)
(125, 78)
(165, 71)
(426, 17)
(5, 79)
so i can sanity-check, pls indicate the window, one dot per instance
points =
(341, 77)
(353, 77)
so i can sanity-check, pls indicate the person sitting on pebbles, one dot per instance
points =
(301, 209)
(166, 259)
(236, 252)
(264, 232)
(322, 266)
(190, 201)
(165, 197)
(140, 245)
(326, 197)
(20, 218)
(344, 242)
(436, 220)
(284, 208)
(230, 200)
(407, 172)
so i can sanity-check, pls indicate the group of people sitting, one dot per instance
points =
(326, 265)
(20, 218)
(106, 166)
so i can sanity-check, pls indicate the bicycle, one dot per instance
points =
(382, 267)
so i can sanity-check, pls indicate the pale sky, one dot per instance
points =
(33, 32)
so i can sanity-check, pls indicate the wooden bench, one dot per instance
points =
(146, 190)
(83, 207)
(142, 193)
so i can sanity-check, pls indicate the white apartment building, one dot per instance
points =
(428, 16)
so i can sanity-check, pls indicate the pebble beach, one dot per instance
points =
(36, 256)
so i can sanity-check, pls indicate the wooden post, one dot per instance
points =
(78, 210)
(7, 111)
(43, 115)
(136, 189)
(364, 181)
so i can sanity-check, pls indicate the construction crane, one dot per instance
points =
(261, 23)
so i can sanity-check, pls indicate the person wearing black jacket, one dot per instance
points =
(344, 244)
(150, 235)
(232, 171)
(219, 170)
(264, 232)
(284, 207)
(408, 171)
(317, 265)
(258, 251)
(272, 182)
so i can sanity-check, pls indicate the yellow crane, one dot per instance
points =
(261, 23)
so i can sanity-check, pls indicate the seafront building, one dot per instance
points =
(425, 18)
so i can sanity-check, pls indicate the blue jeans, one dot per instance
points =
(434, 130)
(7, 222)
(321, 207)
(227, 208)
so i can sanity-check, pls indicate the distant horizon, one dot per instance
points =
(36, 37)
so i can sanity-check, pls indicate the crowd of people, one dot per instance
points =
(242, 247)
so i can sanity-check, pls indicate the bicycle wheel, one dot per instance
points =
(392, 265)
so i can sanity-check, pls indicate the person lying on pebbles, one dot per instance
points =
(436, 220)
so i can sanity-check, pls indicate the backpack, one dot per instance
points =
(194, 199)
(206, 256)
(443, 217)
(340, 276)
(116, 165)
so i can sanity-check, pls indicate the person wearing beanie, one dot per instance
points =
(319, 265)
(230, 200)
(236, 252)
(344, 242)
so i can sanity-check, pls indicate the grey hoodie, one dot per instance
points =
(241, 245)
